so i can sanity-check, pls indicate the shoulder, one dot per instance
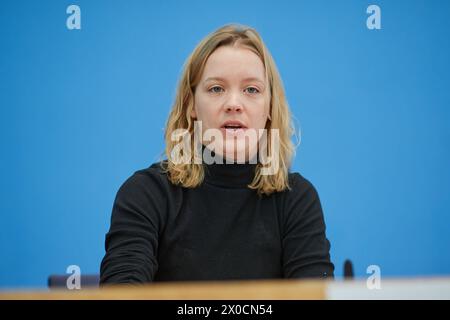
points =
(149, 181)
(302, 198)
(154, 172)
(300, 186)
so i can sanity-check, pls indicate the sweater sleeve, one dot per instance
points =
(132, 241)
(305, 246)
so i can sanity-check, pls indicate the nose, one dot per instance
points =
(234, 107)
(233, 104)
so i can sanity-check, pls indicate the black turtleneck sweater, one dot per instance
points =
(221, 230)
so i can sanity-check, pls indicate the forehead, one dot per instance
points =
(234, 62)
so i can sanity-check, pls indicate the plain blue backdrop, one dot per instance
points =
(81, 110)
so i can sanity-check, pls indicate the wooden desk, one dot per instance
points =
(416, 288)
(223, 290)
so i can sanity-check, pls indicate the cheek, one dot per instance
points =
(204, 110)
(257, 120)
(260, 114)
(199, 105)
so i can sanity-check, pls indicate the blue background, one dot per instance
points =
(81, 110)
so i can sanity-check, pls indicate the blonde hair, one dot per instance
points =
(191, 175)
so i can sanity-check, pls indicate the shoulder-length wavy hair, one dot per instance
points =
(191, 175)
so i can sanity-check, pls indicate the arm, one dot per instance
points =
(132, 242)
(305, 246)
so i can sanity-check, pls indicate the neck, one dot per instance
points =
(229, 174)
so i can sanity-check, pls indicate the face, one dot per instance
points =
(233, 97)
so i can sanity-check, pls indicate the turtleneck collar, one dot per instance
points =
(230, 175)
(233, 175)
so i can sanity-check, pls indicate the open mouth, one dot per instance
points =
(233, 127)
(233, 130)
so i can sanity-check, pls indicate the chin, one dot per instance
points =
(236, 153)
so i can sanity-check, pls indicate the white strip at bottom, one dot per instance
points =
(411, 289)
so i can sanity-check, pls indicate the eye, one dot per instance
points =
(252, 90)
(215, 89)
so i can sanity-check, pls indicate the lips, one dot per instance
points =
(233, 128)
(233, 125)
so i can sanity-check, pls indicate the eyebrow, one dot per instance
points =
(222, 79)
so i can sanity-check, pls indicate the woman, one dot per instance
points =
(227, 209)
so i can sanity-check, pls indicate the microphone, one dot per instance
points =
(348, 270)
